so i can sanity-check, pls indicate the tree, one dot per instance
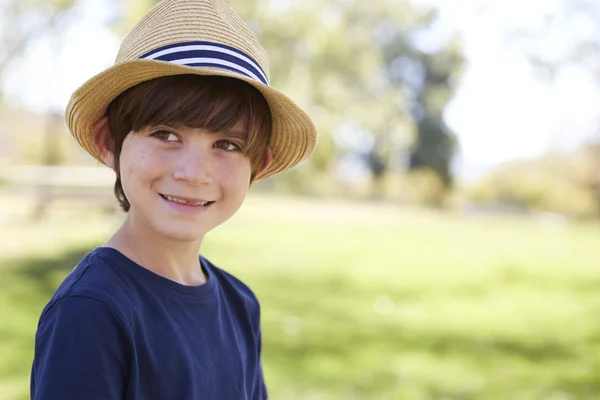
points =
(427, 78)
(351, 61)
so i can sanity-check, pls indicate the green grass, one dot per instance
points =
(368, 301)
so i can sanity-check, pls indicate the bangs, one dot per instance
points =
(207, 102)
(212, 103)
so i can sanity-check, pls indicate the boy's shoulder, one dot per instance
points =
(92, 278)
(230, 284)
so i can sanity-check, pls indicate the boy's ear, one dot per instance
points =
(103, 143)
(266, 162)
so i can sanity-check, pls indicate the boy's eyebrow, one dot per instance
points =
(240, 134)
(233, 132)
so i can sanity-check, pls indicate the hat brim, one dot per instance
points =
(293, 138)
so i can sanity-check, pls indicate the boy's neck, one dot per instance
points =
(177, 261)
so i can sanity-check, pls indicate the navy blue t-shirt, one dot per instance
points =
(115, 330)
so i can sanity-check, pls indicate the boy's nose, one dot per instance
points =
(194, 167)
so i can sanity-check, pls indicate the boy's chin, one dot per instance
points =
(183, 235)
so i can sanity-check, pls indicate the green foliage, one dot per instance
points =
(421, 187)
(367, 301)
(427, 187)
(560, 183)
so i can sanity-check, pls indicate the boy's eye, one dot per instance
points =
(165, 136)
(227, 145)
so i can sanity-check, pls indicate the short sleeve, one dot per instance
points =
(80, 352)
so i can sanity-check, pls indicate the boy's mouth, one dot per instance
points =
(187, 202)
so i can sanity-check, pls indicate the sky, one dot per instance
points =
(502, 108)
(53, 67)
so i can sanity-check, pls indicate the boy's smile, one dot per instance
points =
(188, 202)
(191, 206)
(181, 182)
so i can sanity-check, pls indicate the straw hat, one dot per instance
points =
(203, 37)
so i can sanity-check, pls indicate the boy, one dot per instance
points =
(187, 120)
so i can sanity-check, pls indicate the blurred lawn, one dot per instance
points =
(366, 301)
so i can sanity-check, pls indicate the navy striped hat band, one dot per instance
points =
(207, 54)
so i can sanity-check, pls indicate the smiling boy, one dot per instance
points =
(187, 120)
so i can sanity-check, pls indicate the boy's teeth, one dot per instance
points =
(181, 201)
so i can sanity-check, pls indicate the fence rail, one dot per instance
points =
(49, 184)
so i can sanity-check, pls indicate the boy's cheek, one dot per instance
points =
(140, 154)
(237, 177)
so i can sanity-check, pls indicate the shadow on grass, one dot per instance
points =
(26, 285)
(44, 273)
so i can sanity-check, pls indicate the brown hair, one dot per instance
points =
(213, 103)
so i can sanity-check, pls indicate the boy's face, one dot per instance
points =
(169, 172)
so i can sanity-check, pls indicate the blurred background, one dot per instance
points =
(443, 242)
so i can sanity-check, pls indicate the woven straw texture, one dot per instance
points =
(177, 21)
